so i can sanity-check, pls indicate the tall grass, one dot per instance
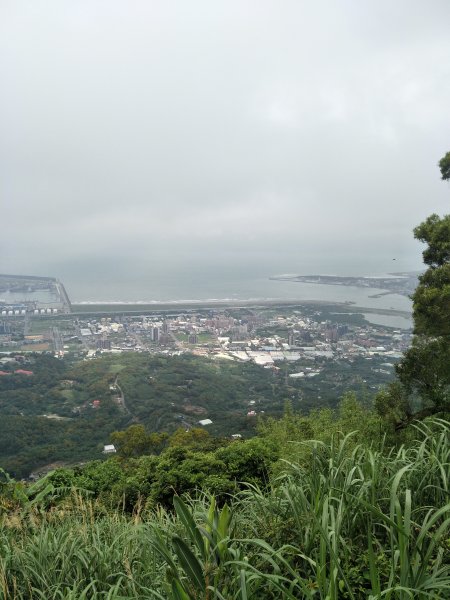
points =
(351, 522)
(363, 523)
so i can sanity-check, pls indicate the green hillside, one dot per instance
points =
(66, 411)
(344, 515)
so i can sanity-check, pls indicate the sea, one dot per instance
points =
(211, 289)
(256, 289)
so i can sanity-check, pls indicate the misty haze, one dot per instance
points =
(167, 150)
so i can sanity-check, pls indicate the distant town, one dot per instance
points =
(268, 335)
(310, 353)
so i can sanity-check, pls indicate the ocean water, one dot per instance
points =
(248, 289)
(211, 286)
(234, 290)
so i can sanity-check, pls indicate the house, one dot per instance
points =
(109, 449)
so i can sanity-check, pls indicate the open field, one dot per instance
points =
(35, 347)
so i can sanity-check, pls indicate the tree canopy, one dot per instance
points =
(444, 165)
(425, 368)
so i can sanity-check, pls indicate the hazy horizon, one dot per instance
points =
(155, 143)
(200, 283)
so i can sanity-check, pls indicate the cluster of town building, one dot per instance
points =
(261, 336)
(256, 338)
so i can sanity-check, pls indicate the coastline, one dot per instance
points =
(91, 307)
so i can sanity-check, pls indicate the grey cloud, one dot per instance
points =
(219, 132)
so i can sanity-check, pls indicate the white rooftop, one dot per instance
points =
(109, 449)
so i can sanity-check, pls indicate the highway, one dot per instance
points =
(58, 343)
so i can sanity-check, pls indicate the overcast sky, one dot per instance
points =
(252, 135)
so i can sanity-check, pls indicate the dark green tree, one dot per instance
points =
(135, 441)
(431, 300)
(195, 439)
(444, 165)
(424, 370)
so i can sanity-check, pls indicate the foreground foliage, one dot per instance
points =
(346, 520)
(424, 370)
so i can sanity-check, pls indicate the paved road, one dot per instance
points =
(26, 324)
(121, 401)
(81, 337)
(139, 341)
(58, 343)
(177, 342)
(120, 397)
